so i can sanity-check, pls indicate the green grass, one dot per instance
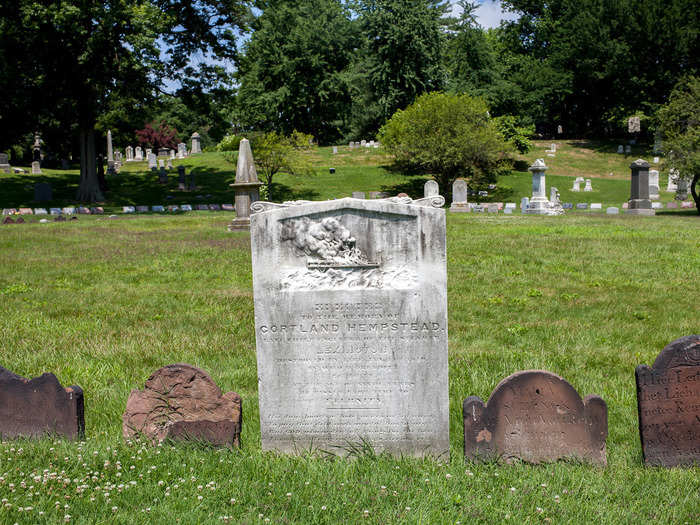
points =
(103, 303)
(360, 169)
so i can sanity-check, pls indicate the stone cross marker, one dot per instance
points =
(431, 189)
(536, 416)
(668, 400)
(459, 196)
(351, 325)
(39, 406)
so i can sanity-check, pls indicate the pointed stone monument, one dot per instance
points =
(196, 143)
(246, 187)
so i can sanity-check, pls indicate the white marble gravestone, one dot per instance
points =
(654, 184)
(138, 154)
(459, 196)
(431, 189)
(588, 186)
(351, 325)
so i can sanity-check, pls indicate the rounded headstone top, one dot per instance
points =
(195, 135)
(538, 165)
(639, 164)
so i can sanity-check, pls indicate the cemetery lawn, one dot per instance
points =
(103, 303)
(356, 170)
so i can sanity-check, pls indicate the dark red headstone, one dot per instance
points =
(39, 406)
(668, 400)
(535, 416)
(8, 220)
(181, 402)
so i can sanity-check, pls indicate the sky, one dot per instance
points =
(489, 14)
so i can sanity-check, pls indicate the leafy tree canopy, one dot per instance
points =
(448, 136)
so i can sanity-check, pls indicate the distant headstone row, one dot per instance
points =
(137, 154)
(99, 210)
(363, 144)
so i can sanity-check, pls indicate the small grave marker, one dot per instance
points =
(668, 401)
(535, 416)
(38, 407)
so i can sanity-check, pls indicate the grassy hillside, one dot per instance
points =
(103, 303)
(356, 170)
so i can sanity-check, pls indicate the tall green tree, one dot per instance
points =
(294, 72)
(587, 63)
(680, 125)
(399, 60)
(74, 58)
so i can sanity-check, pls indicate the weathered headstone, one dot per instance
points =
(687, 204)
(128, 209)
(375, 194)
(163, 152)
(196, 143)
(69, 210)
(620, 149)
(524, 203)
(5, 163)
(246, 187)
(628, 149)
(148, 152)
(182, 403)
(672, 205)
(351, 325)
(139, 154)
(129, 154)
(36, 167)
(181, 178)
(152, 162)
(37, 407)
(97, 210)
(228, 207)
(186, 207)
(508, 211)
(625, 205)
(158, 208)
(567, 205)
(582, 206)
(535, 416)
(656, 205)
(639, 203)
(173, 208)
(431, 189)
(141, 209)
(588, 186)
(43, 192)
(358, 194)
(596, 206)
(459, 197)
(55, 211)
(202, 207)
(181, 150)
(612, 210)
(169, 163)
(577, 185)
(335, 150)
(656, 160)
(653, 184)
(668, 401)
(40, 211)
(215, 207)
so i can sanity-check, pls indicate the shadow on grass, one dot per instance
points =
(610, 147)
(127, 188)
(413, 187)
(282, 192)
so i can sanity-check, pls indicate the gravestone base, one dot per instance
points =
(640, 211)
(460, 207)
(239, 224)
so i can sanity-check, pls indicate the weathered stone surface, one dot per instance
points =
(246, 186)
(39, 406)
(182, 402)
(431, 189)
(351, 325)
(668, 400)
(536, 416)
(459, 196)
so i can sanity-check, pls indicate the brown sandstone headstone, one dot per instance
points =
(536, 416)
(181, 402)
(668, 400)
(39, 406)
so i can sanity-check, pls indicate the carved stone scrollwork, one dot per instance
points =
(436, 201)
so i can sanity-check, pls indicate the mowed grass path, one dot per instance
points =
(103, 303)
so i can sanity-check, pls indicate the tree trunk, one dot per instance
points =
(89, 190)
(694, 193)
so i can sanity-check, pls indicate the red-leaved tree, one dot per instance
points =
(158, 136)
